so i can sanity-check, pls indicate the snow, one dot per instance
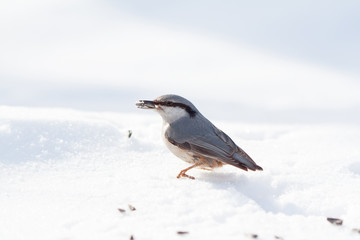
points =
(65, 173)
(71, 73)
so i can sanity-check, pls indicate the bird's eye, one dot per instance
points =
(168, 103)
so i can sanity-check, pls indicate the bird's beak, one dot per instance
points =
(145, 104)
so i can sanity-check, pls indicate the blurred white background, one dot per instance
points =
(257, 61)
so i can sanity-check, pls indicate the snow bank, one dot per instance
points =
(64, 174)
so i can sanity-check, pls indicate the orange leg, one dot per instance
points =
(207, 169)
(183, 172)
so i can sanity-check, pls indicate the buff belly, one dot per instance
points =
(193, 158)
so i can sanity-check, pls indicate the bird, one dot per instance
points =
(193, 138)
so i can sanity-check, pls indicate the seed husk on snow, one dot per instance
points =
(252, 235)
(357, 230)
(121, 210)
(129, 133)
(132, 208)
(335, 221)
(182, 232)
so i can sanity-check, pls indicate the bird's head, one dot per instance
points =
(170, 107)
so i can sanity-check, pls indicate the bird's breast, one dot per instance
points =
(185, 155)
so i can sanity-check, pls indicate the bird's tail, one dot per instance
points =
(246, 161)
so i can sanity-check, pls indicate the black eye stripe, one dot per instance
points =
(188, 109)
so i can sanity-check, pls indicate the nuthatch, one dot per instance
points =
(193, 138)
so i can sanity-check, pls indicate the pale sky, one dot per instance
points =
(320, 32)
(105, 55)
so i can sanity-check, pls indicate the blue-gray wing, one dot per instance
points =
(214, 144)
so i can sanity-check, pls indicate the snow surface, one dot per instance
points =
(65, 173)
(70, 74)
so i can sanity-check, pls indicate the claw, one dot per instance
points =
(183, 174)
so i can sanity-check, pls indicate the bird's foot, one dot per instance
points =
(183, 174)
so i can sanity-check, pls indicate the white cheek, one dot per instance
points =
(171, 114)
